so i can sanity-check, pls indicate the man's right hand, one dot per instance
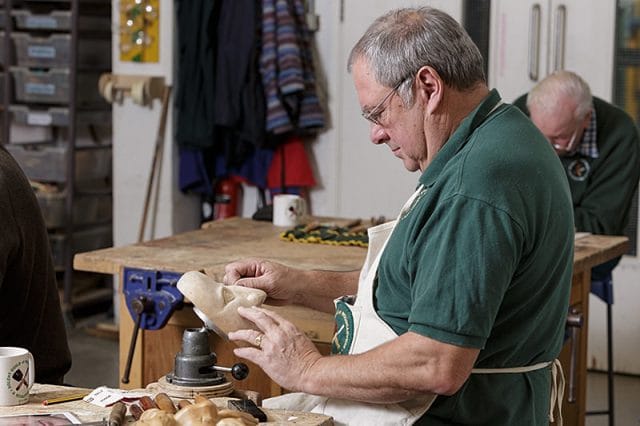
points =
(277, 280)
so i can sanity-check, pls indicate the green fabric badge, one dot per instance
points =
(335, 235)
(343, 337)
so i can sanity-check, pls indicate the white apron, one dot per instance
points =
(362, 329)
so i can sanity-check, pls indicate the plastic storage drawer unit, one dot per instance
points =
(87, 208)
(52, 86)
(53, 51)
(58, 20)
(86, 240)
(46, 162)
(56, 116)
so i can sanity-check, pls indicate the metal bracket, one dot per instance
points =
(575, 321)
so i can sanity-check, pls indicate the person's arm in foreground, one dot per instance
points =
(285, 285)
(398, 370)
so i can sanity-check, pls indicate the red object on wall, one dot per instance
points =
(297, 167)
(226, 199)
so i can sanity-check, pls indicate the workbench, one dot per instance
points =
(218, 243)
(86, 412)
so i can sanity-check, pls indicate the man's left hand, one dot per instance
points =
(279, 348)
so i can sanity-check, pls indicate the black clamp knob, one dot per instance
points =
(239, 371)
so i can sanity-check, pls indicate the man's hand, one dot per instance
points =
(277, 280)
(280, 349)
(315, 289)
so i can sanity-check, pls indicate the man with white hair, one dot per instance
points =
(599, 147)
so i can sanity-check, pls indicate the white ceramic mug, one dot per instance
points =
(288, 209)
(17, 374)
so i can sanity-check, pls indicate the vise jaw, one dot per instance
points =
(151, 296)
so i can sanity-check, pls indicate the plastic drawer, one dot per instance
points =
(56, 116)
(47, 162)
(58, 20)
(87, 208)
(53, 51)
(52, 86)
(86, 240)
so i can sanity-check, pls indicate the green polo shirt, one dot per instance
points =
(483, 259)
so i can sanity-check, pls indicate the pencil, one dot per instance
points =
(72, 397)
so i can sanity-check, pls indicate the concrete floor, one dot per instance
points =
(95, 363)
(94, 359)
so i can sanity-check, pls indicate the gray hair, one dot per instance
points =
(562, 83)
(402, 41)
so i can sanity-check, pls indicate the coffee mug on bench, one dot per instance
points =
(17, 374)
(288, 209)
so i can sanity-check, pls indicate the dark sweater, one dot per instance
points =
(601, 202)
(30, 313)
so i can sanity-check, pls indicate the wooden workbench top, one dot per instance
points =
(592, 250)
(211, 248)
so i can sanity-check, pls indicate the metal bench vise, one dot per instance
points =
(151, 297)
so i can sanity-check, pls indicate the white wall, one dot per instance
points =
(625, 321)
(134, 136)
(324, 150)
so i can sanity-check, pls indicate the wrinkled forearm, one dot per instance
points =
(396, 371)
(318, 289)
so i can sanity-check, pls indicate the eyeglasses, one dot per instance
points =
(373, 115)
(569, 147)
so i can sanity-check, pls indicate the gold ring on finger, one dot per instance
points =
(258, 341)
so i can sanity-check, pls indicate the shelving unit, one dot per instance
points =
(58, 127)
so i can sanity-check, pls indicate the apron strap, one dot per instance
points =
(526, 369)
(557, 391)
(557, 382)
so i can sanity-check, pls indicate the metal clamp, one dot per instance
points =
(156, 291)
